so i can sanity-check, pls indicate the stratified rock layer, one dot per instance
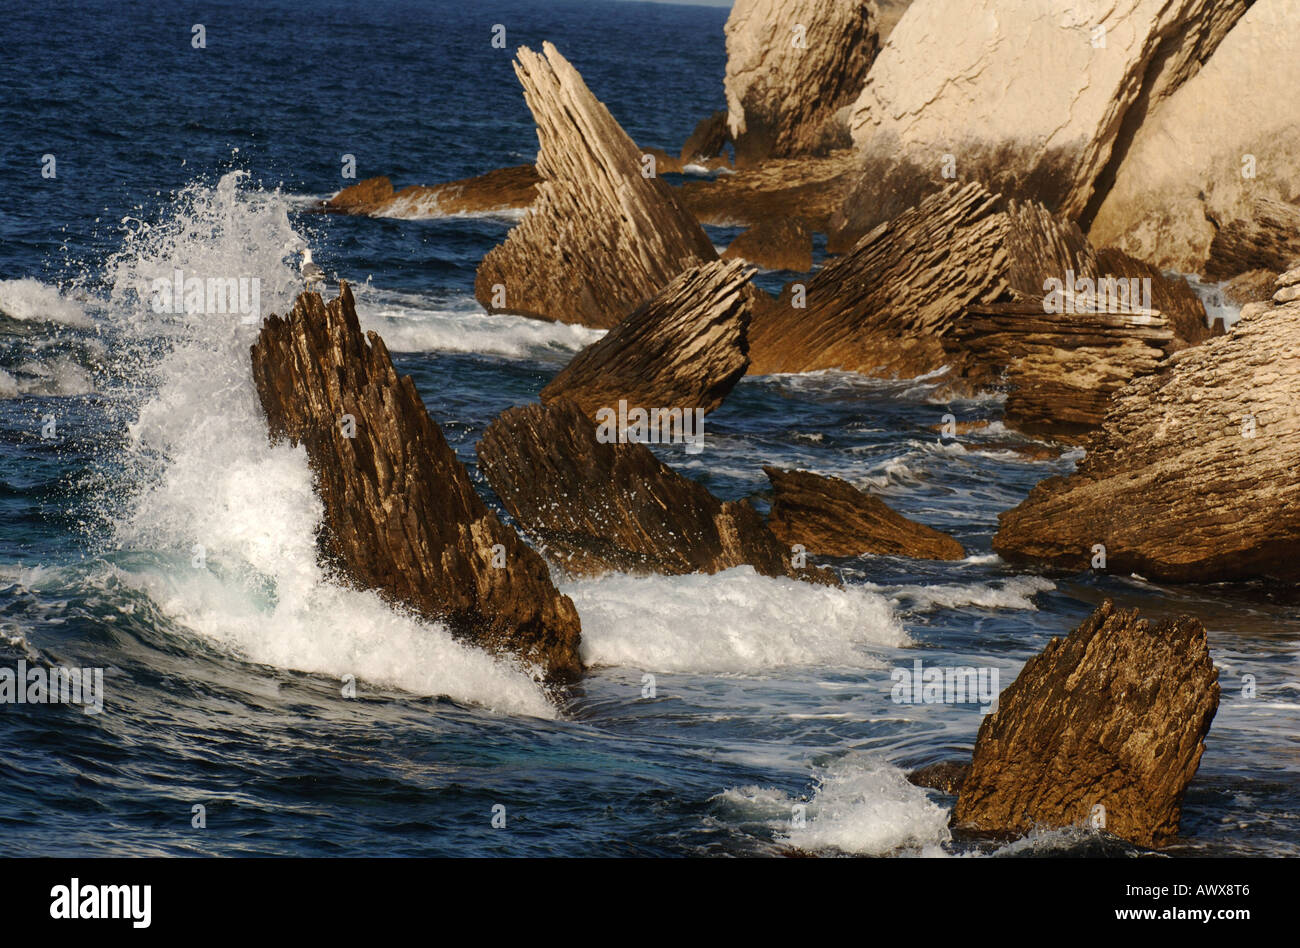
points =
(599, 506)
(1224, 141)
(773, 190)
(791, 65)
(831, 517)
(500, 190)
(401, 515)
(600, 238)
(1195, 475)
(1112, 716)
(784, 244)
(1036, 100)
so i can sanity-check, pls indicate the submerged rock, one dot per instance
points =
(602, 237)
(831, 517)
(685, 349)
(1033, 103)
(1200, 162)
(1193, 475)
(500, 190)
(401, 516)
(1103, 728)
(784, 244)
(791, 66)
(598, 506)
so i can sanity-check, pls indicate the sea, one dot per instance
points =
(252, 705)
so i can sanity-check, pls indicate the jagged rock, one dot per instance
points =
(946, 776)
(684, 349)
(1268, 237)
(1251, 287)
(1183, 179)
(708, 139)
(499, 190)
(1173, 297)
(791, 65)
(1112, 716)
(831, 517)
(784, 244)
(600, 239)
(401, 516)
(773, 190)
(597, 505)
(1193, 475)
(1025, 99)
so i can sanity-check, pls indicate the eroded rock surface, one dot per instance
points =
(1103, 728)
(784, 244)
(401, 516)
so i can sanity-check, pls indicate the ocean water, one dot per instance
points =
(149, 529)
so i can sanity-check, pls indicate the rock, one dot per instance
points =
(1192, 475)
(1113, 716)
(401, 516)
(600, 239)
(784, 244)
(831, 517)
(773, 190)
(1028, 101)
(1250, 287)
(1172, 296)
(1267, 237)
(708, 139)
(791, 65)
(598, 506)
(685, 349)
(1183, 180)
(946, 776)
(500, 190)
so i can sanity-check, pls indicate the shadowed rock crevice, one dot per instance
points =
(401, 516)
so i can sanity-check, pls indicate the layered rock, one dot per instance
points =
(1173, 297)
(784, 244)
(1222, 142)
(600, 238)
(773, 190)
(500, 190)
(791, 66)
(401, 516)
(1103, 728)
(596, 505)
(1267, 238)
(830, 517)
(1036, 103)
(1193, 476)
(708, 139)
(685, 349)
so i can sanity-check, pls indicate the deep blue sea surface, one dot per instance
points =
(148, 529)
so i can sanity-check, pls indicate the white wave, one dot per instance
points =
(1015, 592)
(33, 301)
(733, 622)
(860, 805)
(214, 486)
(60, 376)
(409, 324)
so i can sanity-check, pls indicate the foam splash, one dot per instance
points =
(732, 622)
(31, 300)
(1015, 592)
(217, 496)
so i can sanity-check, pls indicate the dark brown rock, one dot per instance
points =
(684, 349)
(831, 517)
(1253, 286)
(784, 244)
(1172, 296)
(1269, 239)
(601, 238)
(401, 516)
(362, 197)
(946, 776)
(499, 190)
(708, 139)
(1113, 716)
(773, 190)
(1193, 475)
(599, 506)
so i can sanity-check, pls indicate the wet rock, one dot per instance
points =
(499, 190)
(401, 516)
(1034, 106)
(1103, 728)
(791, 66)
(1201, 160)
(946, 776)
(685, 349)
(1192, 475)
(598, 506)
(601, 238)
(831, 517)
(784, 244)
(708, 139)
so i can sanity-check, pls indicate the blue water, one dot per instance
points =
(225, 683)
